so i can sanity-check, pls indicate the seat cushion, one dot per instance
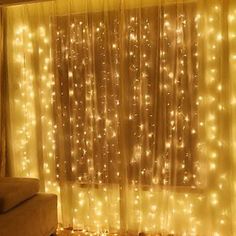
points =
(36, 216)
(14, 191)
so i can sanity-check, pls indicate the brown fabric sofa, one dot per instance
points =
(24, 211)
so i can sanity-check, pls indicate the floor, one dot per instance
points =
(64, 232)
(76, 233)
(69, 232)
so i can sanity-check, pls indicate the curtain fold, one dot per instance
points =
(125, 109)
(2, 100)
(232, 71)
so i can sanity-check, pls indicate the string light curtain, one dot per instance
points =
(125, 109)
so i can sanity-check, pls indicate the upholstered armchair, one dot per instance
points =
(24, 211)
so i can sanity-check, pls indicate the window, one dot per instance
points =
(160, 112)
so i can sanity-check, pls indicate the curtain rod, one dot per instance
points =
(129, 2)
(79, 7)
(17, 2)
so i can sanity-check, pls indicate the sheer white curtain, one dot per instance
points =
(125, 109)
(2, 100)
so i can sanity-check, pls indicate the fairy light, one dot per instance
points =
(91, 116)
(29, 99)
